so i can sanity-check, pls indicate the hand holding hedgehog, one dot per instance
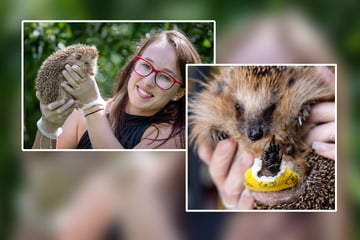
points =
(322, 136)
(54, 114)
(227, 169)
(55, 103)
(50, 77)
(81, 86)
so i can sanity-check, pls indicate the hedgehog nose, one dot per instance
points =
(255, 133)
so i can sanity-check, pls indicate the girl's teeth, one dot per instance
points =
(144, 93)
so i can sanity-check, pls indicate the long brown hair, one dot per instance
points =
(173, 112)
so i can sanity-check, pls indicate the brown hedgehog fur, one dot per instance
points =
(49, 75)
(256, 105)
(317, 189)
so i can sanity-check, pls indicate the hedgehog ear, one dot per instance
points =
(78, 56)
(227, 74)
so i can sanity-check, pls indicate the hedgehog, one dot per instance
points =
(49, 77)
(265, 108)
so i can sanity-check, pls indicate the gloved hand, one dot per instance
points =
(80, 85)
(54, 114)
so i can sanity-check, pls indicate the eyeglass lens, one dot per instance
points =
(163, 80)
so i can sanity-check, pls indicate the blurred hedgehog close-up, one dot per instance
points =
(265, 109)
(49, 78)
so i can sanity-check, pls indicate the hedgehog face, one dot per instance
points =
(86, 62)
(251, 107)
(90, 64)
(253, 103)
(254, 125)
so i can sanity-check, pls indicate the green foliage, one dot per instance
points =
(116, 42)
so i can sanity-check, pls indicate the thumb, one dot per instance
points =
(246, 200)
(38, 95)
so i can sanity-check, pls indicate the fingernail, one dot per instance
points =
(319, 146)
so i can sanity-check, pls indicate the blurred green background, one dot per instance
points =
(338, 20)
(116, 42)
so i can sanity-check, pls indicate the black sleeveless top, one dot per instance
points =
(130, 134)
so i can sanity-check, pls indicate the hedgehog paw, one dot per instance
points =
(271, 158)
(217, 136)
(303, 114)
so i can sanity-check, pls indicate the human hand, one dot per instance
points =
(80, 85)
(54, 114)
(322, 136)
(227, 167)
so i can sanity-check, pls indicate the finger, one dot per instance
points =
(68, 105)
(67, 112)
(79, 71)
(69, 77)
(205, 153)
(221, 160)
(73, 74)
(226, 204)
(234, 183)
(66, 86)
(324, 149)
(54, 105)
(38, 95)
(324, 133)
(322, 112)
(246, 201)
(327, 75)
(63, 112)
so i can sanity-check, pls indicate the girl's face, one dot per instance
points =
(145, 97)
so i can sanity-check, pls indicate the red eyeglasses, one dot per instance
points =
(163, 79)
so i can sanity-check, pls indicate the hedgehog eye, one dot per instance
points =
(238, 107)
(290, 82)
(270, 109)
(86, 63)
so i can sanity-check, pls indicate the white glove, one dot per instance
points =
(81, 86)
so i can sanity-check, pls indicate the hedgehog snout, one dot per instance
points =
(255, 132)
